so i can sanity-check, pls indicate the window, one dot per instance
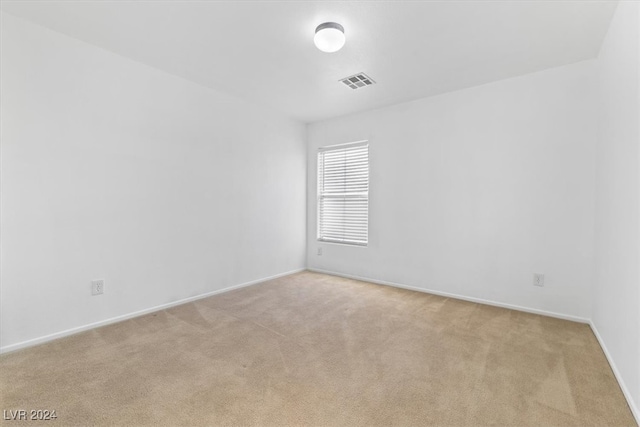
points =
(343, 193)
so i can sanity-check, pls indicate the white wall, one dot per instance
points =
(473, 191)
(115, 170)
(616, 307)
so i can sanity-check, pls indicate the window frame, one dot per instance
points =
(321, 195)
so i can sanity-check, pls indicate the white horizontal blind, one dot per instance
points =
(343, 194)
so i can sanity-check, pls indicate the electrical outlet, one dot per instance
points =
(319, 251)
(97, 287)
(538, 279)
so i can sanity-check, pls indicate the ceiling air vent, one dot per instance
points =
(357, 81)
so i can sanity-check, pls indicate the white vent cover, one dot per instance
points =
(358, 80)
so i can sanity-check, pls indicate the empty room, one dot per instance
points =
(320, 213)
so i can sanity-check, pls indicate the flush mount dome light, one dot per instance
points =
(329, 37)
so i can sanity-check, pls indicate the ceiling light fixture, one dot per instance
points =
(329, 37)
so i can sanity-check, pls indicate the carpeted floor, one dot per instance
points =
(312, 349)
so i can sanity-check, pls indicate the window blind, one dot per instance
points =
(343, 193)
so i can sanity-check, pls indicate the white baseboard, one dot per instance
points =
(456, 296)
(56, 335)
(616, 372)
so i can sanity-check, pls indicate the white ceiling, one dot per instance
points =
(263, 50)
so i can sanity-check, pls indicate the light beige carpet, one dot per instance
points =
(312, 349)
